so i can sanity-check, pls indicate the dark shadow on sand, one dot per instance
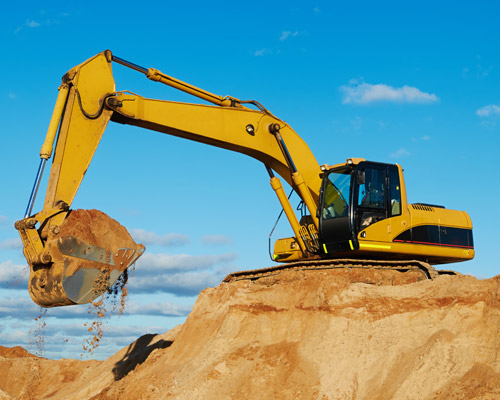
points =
(137, 353)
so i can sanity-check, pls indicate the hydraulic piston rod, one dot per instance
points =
(48, 145)
(298, 180)
(34, 191)
(158, 76)
(287, 207)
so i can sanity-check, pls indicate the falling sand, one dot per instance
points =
(111, 303)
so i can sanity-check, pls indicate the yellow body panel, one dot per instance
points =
(378, 239)
(287, 250)
(79, 135)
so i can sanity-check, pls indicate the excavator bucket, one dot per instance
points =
(88, 252)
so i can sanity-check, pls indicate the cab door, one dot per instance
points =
(372, 202)
(335, 220)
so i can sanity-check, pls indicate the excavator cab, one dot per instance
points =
(353, 197)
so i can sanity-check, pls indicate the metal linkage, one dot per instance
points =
(129, 64)
(34, 191)
(274, 129)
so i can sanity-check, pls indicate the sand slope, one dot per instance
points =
(338, 334)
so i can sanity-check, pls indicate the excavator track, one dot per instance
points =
(402, 266)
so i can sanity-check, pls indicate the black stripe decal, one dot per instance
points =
(437, 235)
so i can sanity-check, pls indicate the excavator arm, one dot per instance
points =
(65, 270)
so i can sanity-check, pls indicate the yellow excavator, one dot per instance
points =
(355, 212)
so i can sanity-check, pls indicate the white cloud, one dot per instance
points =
(485, 72)
(45, 20)
(180, 262)
(178, 284)
(3, 218)
(14, 338)
(216, 240)
(488, 111)
(32, 24)
(13, 276)
(400, 153)
(181, 275)
(66, 340)
(366, 93)
(287, 34)
(150, 238)
(158, 309)
(29, 23)
(19, 308)
(11, 243)
(356, 122)
(262, 52)
(25, 309)
(422, 138)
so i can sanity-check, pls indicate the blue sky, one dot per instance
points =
(417, 83)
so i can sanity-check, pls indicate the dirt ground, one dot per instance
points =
(332, 334)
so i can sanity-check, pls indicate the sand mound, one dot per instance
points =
(13, 352)
(299, 335)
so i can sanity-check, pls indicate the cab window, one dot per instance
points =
(394, 191)
(371, 191)
(371, 196)
(336, 195)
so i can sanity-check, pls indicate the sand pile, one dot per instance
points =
(94, 227)
(97, 228)
(338, 334)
